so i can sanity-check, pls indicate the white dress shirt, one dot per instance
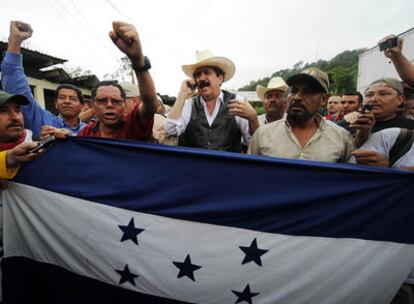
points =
(177, 127)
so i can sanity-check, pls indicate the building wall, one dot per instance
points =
(373, 64)
(251, 96)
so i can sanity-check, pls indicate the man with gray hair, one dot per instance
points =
(132, 96)
(383, 97)
(386, 95)
(133, 99)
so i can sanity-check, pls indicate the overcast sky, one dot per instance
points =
(260, 36)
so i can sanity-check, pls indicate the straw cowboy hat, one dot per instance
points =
(206, 58)
(276, 83)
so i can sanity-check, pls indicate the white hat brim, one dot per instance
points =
(261, 91)
(225, 64)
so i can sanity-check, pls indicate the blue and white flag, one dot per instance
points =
(98, 221)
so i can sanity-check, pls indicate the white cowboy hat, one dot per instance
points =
(276, 83)
(206, 58)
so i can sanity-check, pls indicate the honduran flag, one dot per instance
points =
(99, 221)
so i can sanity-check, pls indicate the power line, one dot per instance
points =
(119, 11)
(98, 38)
(67, 23)
(153, 38)
(63, 18)
(94, 35)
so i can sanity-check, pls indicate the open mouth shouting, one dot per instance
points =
(110, 116)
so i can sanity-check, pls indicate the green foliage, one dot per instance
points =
(258, 106)
(342, 71)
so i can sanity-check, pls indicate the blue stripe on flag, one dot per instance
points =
(266, 194)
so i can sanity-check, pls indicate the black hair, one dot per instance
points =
(408, 92)
(69, 87)
(216, 70)
(107, 83)
(354, 93)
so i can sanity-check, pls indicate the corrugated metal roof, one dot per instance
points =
(35, 58)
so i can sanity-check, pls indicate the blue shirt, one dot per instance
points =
(15, 82)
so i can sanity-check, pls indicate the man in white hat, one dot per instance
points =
(215, 119)
(274, 100)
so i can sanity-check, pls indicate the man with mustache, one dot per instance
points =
(215, 119)
(304, 133)
(274, 100)
(68, 98)
(15, 140)
(12, 131)
(386, 95)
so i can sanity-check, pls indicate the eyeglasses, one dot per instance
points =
(381, 94)
(106, 101)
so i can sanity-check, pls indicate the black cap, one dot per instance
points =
(6, 97)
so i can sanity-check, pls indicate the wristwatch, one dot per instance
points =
(145, 67)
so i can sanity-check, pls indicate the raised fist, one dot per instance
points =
(125, 37)
(19, 31)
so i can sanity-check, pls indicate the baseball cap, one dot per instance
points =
(392, 83)
(6, 97)
(131, 90)
(314, 75)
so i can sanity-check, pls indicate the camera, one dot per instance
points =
(387, 44)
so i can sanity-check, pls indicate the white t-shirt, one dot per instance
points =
(382, 142)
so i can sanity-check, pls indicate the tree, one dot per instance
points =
(342, 80)
(123, 73)
(298, 65)
(342, 71)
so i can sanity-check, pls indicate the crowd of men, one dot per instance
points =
(372, 128)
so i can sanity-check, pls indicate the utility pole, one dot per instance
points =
(126, 63)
